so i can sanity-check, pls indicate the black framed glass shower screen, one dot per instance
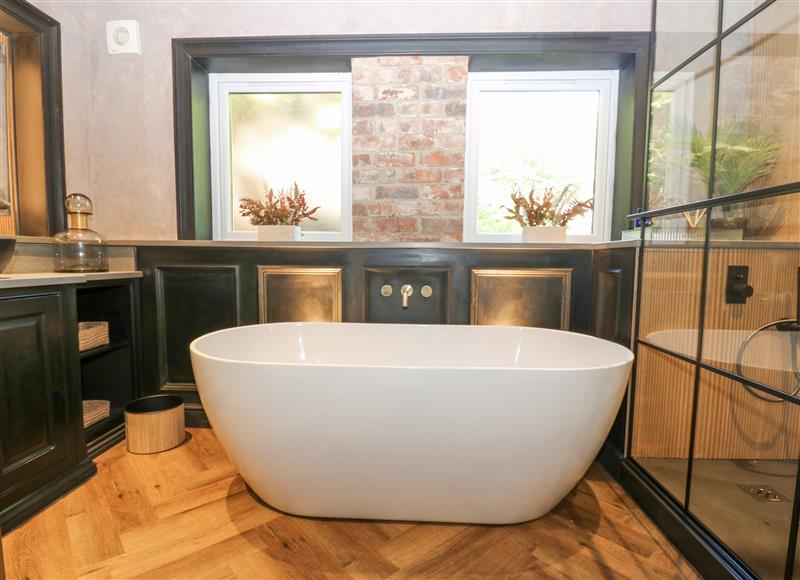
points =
(714, 418)
(726, 119)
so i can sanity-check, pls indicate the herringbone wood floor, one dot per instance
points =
(186, 514)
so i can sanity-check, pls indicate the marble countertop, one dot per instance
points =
(30, 279)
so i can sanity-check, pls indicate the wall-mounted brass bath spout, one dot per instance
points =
(406, 291)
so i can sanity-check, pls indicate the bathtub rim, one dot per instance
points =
(629, 356)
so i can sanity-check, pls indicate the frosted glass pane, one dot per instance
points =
(281, 138)
(534, 138)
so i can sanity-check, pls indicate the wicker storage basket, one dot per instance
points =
(94, 411)
(91, 335)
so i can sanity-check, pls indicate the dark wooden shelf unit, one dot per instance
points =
(121, 343)
(110, 372)
(99, 429)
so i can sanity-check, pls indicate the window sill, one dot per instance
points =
(384, 245)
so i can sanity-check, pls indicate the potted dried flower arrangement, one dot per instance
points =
(278, 218)
(544, 217)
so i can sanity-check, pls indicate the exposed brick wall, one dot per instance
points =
(409, 117)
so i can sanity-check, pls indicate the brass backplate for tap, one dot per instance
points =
(388, 309)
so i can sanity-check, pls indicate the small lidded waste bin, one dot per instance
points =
(154, 424)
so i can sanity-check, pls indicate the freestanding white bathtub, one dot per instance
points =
(478, 424)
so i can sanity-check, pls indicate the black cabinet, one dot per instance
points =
(42, 450)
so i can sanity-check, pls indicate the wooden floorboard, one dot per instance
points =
(185, 514)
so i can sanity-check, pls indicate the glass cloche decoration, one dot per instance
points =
(79, 249)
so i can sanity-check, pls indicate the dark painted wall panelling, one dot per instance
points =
(607, 303)
(612, 294)
(191, 301)
(613, 281)
(200, 289)
(200, 282)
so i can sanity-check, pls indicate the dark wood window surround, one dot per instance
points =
(193, 59)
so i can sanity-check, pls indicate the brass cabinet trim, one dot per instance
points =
(264, 271)
(565, 274)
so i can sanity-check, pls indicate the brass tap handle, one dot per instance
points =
(386, 290)
(406, 291)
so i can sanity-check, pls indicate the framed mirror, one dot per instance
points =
(31, 125)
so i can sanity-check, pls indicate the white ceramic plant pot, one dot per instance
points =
(278, 233)
(537, 234)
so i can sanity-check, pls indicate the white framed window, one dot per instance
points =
(539, 129)
(272, 130)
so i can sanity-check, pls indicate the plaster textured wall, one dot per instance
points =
(118, 109)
